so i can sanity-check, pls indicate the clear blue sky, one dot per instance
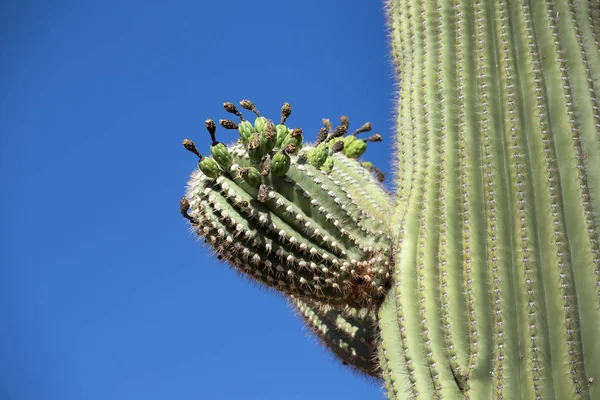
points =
(103, 292)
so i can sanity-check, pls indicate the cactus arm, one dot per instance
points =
(349, 334)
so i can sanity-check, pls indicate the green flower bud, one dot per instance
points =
(327, 165)
(355, 149)
(260, 124)
(282, 133)
(294, 137)
(255, 150)
(318, 155)
(348, 140)
(221, 155)
(245, 129)
(280, 163)
(251, 175)
(334, 141)
(209, 167)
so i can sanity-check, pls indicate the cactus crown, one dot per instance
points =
(305, 219)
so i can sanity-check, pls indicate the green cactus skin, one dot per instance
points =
(349, 334)
(289, 225)
(496, 288)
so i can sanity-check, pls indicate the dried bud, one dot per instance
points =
(290, 148)
(228, 124)
(321, 135)
(270, 132)
(374, 138)
(339, 132)
(248, 105)
(263, 193)
(286, 111)
(327, 124)
(372, 168)
(190, 146)
(231, 108)
(211, 128)
(364, 128)
(265, 168)
(337, 147)
(254, 142)
(344, 121)
(296, 132)
(184, 206)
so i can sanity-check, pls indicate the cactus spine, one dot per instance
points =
(485, 283)
(496, 288)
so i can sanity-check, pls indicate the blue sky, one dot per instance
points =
(103, 292)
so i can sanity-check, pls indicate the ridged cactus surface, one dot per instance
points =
(497, 265)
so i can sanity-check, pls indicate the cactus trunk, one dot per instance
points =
(496, 288)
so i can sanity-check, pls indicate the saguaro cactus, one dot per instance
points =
(497, 270)
(486, 281)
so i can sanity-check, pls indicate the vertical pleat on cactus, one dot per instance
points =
(496, 288)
